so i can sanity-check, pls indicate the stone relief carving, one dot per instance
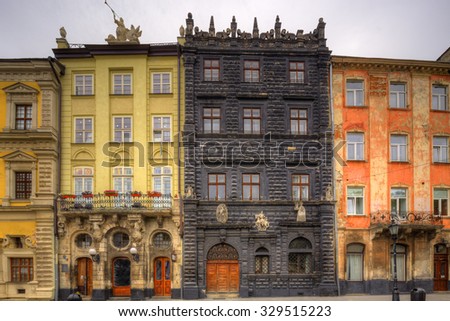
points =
(222, 213)
(189, 192)
(329, 193)
(301, 211)
(61, 226)
(261, 222)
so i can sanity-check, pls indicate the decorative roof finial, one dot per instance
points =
(277, 28)
(212, 30)
(233, 27)
(255, 28)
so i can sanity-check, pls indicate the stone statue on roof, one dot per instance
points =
(123, 34)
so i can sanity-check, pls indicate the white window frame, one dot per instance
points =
(83, 131)
(121, 88)
(354, 209)
(121, 177)
(355, 146)
(395, 95)
(83, 89)
(83, 176)
(161, 129)
(398, 201)
(355, 257)
(401, 262)
(355, 93)
(123, 130)
(442, 151)
(439, 101)
(161, 86)
(396, 148)
(162, 177)
(440, 200)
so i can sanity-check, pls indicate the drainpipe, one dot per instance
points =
(52, 61)
(180, 196)
(333, 175)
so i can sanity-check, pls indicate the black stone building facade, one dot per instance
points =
(258, 209)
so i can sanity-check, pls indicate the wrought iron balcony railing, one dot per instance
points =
(405, 218)
(120, 201)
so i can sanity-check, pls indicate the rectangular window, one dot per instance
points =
(162, 180)
(161, 83)
(123, 179)
(397, 95)
(84, 85)
(162, 129)
(299, 121)
(440, 201)
(250, 187)
(261, 264)
(355, 146)
(21, 270)
(401, 262)
(84, 130)
(297, 72)
(211, 120)
(355, 200)
(122, 84)
(216, 186)
(355, 255)
(23, 185)
(440, 98)
(399, 202)
(300, 187)
(24, 117)
(440, 149)
(251, 70)
(399, 148)
(211, 70)
(122, 129)
(252, 121)
(355, 92)
(83, 179)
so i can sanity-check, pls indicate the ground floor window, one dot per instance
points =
(401, 262)
(21, 269)
(300, 259)
(355, 253)
(262, 261)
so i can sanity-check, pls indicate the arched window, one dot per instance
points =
(355, 267)
(262, 261)
(162, 241)
(401, 262)
(83, 241)
(121, 240)
(300, 256)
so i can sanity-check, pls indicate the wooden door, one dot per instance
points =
(162, 276)
(440, 272)
(222, 276)
(84, 276)
(121, 278)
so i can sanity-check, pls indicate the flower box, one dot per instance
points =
(111, 193)
(68, 196)
(136, 194)
(87, 195)
(154, 194)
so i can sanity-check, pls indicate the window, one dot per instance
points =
(252, 121)
(24, 116)
(211, 120)
(122, 129)
(83, 130)
(123, 179)
(161, 83)
(23, 185)
(216, 186)
(355, 93)
(211, 69)
(300, 259)
(355, 255)
(21, 270)
(397, 95)
(122, 84)
(355, 146)
(399, 148)
(84, 85)
(262, 261)
(83, 178)
(162, 180)
(440, 149)
(299, 121)
(399, 206)
(162, 241)
(251, 70)
(250, 187)
(440, 98)
(440, 201)
(401, 262)
(121, 240)
(161, 129)
(297, 72)
(300, 187)
(83, 241)
(355, 200)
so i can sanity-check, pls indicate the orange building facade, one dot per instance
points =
(392, 136)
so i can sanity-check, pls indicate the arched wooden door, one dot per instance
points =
(440, 267)
(84, 276)
(121, 277)
(222, 269)
(162, 276)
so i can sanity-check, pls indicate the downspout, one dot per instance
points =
(180, 196)
(333, 175)
(52, 60)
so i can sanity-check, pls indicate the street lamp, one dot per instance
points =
(393, 229)
(94, 255)
(134, 254)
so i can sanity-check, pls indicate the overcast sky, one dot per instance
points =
(406, 29)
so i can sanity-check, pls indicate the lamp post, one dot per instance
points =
(393, 229)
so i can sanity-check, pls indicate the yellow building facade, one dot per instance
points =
(119, 219)
(29, 118)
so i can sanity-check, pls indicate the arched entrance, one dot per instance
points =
(121, 279)
(84, 276)
(222, 269)
(440, 267)
(162, 276)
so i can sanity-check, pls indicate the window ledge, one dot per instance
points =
(161, 94)
(400, 108)
(83, 96)
(121, 95)
(439, 111)
(351, 106)
(399, 162)
(356, 215)
(441, 163)
(357, 160)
